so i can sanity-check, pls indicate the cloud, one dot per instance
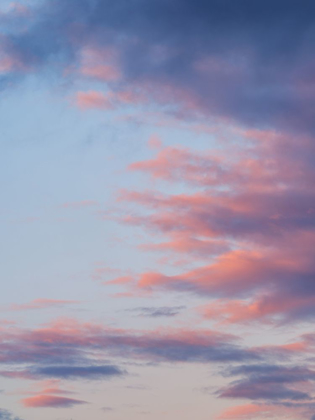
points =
(270, 383)
(79, 372)
(262, 411)
(163, 311)
(256, 55)
(248, 411)
(245, 220)
(283, 286)
(109, 101)
(50, 401)
(92, 99)
(66, 349)
(240, 166)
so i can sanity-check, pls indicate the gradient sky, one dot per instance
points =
(157, 172)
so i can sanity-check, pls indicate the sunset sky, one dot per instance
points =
(157, 219)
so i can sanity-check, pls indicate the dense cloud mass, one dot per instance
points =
(249, 62)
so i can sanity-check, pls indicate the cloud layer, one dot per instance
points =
(208, 56)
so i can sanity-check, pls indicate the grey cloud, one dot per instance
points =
(79, 372)
(163, 311)
(257, 53)
(269, 383)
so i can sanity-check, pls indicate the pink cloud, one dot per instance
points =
(182, 243)
(155, 142)
(269, 163)
(11, 64)
(231, 273)
(172, 163)
(248, 411)
(47, 387)
(67, 340)
(249, 216)
(93, 99)
(253, 412)
(112, 100)
(128, 96)
(104, 72)
(268, 283)
(120, 280)
(6, 65)
(265, 308)
(100, 64)
(51, 401)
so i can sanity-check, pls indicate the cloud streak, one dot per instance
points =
(51, 401)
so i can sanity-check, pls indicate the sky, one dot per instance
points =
(157, 219)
